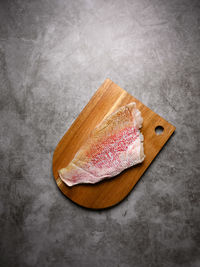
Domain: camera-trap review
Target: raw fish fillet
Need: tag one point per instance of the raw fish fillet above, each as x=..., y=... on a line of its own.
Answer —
x=114, y=145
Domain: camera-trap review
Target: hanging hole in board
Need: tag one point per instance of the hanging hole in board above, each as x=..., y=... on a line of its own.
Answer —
x=159, y=130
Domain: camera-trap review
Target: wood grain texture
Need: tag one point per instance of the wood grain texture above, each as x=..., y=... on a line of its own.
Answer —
x=108, y=98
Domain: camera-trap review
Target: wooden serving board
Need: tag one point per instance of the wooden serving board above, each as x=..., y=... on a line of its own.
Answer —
x=108, y=98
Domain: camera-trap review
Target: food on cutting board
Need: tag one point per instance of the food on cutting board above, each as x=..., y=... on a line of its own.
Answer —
x=114, y=145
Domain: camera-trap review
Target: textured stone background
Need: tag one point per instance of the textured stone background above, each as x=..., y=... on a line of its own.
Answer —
x=53, y=57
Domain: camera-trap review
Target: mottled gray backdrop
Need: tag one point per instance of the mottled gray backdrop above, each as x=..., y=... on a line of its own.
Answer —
x=53, y=57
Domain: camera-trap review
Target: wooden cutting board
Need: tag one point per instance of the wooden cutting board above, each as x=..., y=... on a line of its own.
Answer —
x=108, y=98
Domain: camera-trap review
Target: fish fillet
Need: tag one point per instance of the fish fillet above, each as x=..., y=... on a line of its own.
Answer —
x=114, y=145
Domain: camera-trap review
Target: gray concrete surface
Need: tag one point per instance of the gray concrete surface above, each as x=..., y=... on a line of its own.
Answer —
x=53, y=57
